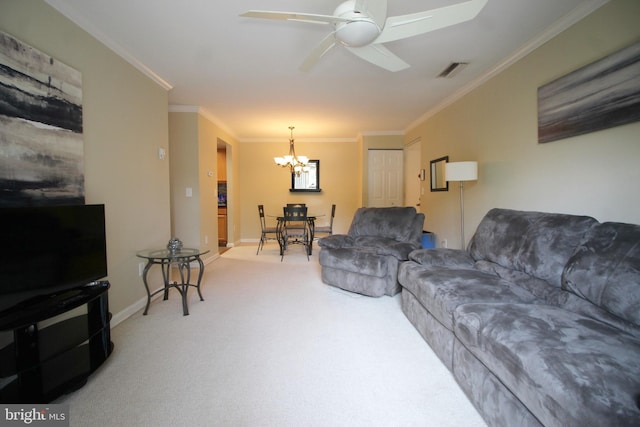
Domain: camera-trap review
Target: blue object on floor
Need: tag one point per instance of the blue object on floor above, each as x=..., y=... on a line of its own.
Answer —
x=428, y=240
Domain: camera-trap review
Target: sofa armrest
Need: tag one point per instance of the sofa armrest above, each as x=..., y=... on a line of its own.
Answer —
x=400, y=250
x=386, y=246
x=443, y=257
x=336, y=241
x=377, y=245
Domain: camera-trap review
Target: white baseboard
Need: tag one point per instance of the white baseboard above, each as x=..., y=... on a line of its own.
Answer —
x=123, y=315
x=129, y=311
x=249, y=240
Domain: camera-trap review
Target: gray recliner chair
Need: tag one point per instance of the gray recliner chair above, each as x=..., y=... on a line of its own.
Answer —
x=366, y=259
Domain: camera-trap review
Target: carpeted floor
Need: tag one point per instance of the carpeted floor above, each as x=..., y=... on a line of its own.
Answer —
x=271, y=345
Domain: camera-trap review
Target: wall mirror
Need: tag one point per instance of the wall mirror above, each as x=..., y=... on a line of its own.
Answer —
x=307, y=181
x=438, y=181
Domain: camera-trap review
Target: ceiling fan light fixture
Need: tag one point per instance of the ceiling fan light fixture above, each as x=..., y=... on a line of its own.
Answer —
x=362, y=26
x=357, y=33
x=359, y=30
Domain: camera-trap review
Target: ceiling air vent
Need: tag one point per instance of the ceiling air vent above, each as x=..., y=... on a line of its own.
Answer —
x=453, y=69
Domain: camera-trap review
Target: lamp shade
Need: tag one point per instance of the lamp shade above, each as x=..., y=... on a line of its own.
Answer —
x=461, y=171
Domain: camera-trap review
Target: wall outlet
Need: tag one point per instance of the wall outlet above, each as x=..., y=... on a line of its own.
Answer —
x=443, y=243
x=206, y=240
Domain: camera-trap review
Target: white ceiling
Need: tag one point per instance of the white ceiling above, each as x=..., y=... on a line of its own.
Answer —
x=244, y=72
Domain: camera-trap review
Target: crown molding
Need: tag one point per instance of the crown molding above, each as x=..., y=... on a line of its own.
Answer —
x=382, y=133
x=176, y=108
x=312, y=140
x=558, y=27
x=82, y=22
x=573, y=17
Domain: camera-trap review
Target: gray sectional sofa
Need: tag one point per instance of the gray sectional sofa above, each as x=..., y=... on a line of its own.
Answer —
x=539, y=320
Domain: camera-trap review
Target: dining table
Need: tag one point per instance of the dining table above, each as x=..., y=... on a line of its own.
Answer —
x=281, y=225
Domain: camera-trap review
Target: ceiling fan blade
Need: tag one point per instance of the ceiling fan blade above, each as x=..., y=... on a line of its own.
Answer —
x=404, y=26
x=292, y=16
x=318, y=52
x=375, y=9
x=379, y=55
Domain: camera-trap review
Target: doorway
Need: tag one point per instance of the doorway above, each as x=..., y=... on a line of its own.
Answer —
x=224, y=195
x=385, y=178
x=413, y=174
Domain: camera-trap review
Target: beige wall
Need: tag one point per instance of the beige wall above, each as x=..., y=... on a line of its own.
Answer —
x=263, y=182
x=125, y=122
x=208, y=183
x=183, y=158
x=193, y=156
x=496, y=124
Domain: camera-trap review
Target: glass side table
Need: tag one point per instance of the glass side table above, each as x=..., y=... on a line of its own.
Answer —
x=181, y=259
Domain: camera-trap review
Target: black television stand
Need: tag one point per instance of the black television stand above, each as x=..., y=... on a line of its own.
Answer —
x=43, y=362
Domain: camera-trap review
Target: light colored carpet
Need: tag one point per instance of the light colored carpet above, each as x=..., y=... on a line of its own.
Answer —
x=271, y=345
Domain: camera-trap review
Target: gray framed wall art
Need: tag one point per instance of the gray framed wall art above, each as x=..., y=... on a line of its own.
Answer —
x=601, y=95
x=41, y=140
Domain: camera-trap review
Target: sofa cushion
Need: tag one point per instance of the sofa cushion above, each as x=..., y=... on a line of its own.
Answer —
x=536, y=243
x=386, y=246
x=605, y=270
x=566, y=368
x=364, y=261
x=442, y=257
x=440, y=291
x=398, y=223
x=335, y=241
x=542, y=290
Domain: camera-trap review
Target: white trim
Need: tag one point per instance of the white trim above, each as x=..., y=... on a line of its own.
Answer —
x=249, y=241
x=71, y=14
x=129, y=311
x=123, y=315
x=579, y=13
x=416, y=140
x=283, y=139
x=177, y=108
x=382, y=133
x=552, y=31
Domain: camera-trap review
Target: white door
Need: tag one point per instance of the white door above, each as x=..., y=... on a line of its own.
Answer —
x=412, y=183
x=385, y=178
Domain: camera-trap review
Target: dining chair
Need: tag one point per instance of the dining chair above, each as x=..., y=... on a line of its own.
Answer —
x=267, y=232
x=326, y=229
x=295, y=228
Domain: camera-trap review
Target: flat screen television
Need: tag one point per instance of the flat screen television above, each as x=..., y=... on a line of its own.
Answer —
x=50, y=249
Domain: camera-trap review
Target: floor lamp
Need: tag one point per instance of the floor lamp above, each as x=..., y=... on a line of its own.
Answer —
x=461, y=171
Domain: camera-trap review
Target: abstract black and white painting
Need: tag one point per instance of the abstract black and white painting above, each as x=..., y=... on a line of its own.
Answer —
x=41, y=143
x=598, y=96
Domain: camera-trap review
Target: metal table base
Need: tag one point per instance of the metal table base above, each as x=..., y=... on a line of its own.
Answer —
x=182, y=260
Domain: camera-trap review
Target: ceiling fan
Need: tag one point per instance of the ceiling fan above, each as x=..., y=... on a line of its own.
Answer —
x=362, y=26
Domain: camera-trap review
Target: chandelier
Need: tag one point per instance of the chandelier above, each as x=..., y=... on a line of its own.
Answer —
x=295, y=163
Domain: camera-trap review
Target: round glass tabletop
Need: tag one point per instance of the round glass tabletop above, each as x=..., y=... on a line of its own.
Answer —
x=167, y=254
